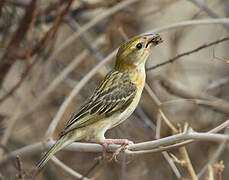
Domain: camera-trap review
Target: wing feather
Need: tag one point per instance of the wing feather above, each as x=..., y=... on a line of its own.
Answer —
x=114, y=94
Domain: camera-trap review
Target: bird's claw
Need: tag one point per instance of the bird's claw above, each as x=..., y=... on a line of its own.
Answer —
x=123, y=142
x=116, y=153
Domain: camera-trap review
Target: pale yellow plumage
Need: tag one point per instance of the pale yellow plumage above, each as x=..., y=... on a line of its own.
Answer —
x=113, y=101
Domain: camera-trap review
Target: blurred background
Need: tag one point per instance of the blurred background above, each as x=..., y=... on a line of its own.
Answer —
x=47, y=47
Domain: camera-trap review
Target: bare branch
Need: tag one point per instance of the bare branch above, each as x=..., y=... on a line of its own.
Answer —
x=210, y=12
x=197, y=97
x=20, y=33
x=171, y=60
x=148, y=145
x=183, y=24
x=68, y=169
x=74, y=92
x=91, y=24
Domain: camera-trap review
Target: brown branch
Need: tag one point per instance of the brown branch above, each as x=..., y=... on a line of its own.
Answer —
x=218, y=170
x=48, y=14
x=18, y=84
x=19, y=3
x=40, y=45
x=52, y=7
x=49, y=35
x=188, y=53
x=2, y=2
x=20, y=33
x=52, y=31
x=21, y=173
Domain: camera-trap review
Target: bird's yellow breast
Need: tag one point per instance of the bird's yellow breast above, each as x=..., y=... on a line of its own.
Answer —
x=138, y=76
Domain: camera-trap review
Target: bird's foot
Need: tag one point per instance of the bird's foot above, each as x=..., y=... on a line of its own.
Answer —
x=117, y=141
x=117, y=151
x=122, y=142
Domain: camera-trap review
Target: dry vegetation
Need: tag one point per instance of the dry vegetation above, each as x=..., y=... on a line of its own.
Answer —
x=53, y=53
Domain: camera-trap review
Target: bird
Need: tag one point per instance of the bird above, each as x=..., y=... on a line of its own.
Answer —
x=113, y=101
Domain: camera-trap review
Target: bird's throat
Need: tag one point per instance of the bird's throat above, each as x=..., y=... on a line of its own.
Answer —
x=138, y=76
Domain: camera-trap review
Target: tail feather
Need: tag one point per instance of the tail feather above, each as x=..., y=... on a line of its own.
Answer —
x=56, y=147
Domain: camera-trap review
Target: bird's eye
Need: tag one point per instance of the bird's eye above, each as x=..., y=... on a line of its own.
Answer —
x=139, y=46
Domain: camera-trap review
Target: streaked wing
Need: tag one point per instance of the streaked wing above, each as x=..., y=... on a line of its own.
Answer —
x=114, y=94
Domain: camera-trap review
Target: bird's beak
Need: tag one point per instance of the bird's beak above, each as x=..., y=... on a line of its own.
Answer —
x=153, y=39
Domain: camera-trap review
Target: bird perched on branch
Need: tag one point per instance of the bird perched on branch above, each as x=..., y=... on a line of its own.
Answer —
x=113, y=101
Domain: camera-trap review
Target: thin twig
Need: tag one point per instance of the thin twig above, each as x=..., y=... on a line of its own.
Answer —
x=167, y=122
x=87, y=41
x=213, y=158
x=171, y=60
x=21, y=174
x=20, y=81
x=2, y=2
x=41, y=44
x=188, y=163
x=205, y=8
x=183, y=24
x=74, y=92
x=68, y=169
x=164, y=153
x=197, y=97
x=12, y=121
x=158, y=129
x=210, y=173
x=92, y=168
x=219, y=83
x=220, y=127
x=51, y=87
x=9, y=56
x=143, y=116
x=91, y=24
x=218, y=151
x=182, y=150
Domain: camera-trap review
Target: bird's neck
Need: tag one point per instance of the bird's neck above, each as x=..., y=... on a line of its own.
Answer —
x=136, y=73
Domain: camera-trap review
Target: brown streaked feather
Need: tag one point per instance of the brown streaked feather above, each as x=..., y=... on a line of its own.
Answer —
x=114, y=94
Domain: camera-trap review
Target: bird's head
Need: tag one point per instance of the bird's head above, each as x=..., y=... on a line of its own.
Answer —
x=135, y=52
